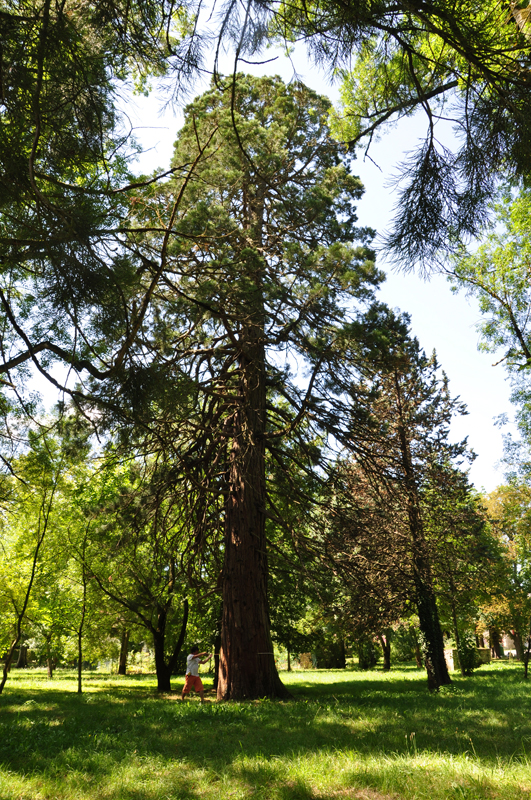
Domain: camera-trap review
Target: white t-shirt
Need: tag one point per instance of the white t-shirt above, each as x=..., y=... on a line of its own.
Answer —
x=192, y=664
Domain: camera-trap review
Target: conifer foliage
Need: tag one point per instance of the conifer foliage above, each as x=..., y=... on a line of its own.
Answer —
x=264, y=266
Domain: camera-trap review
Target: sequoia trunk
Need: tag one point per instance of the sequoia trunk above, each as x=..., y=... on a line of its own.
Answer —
x=247, y=665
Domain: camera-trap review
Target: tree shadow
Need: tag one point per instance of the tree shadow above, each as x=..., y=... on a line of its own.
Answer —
x=46, y=731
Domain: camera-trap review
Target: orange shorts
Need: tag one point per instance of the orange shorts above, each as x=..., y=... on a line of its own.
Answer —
x=192, y=681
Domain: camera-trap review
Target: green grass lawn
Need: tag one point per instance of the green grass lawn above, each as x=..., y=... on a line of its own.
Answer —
x=345, y=735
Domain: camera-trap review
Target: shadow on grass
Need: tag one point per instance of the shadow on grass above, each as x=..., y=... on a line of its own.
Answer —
x=121, y=727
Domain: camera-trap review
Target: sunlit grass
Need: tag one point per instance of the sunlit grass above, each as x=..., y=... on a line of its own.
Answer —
x=345, y=735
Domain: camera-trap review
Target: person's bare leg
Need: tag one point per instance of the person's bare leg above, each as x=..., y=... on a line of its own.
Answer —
x=202, y=696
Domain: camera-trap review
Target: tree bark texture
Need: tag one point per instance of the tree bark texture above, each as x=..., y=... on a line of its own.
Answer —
x=217, y=647
x=22, y=660
x=457, y=637
x=247, y=666
x=418, y=656
x=432, y=638
x=527, y=655
x=518, y=645
x=161, y=668
x=494, y=640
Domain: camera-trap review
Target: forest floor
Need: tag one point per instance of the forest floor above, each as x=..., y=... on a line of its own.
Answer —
x=347, y=735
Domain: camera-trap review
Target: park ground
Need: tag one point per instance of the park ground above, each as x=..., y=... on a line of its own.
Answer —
x=346, y=734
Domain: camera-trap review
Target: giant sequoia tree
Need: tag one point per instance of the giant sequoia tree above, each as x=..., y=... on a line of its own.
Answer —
x=261, y=262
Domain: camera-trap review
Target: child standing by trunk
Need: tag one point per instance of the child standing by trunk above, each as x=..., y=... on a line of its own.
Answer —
x=192, y=679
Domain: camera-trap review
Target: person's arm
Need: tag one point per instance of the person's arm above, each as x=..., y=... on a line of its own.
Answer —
x=198, y=655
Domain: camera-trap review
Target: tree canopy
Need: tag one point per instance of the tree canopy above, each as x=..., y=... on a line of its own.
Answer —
x=214, y=320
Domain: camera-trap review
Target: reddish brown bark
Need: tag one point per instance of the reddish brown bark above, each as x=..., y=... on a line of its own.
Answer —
x=247, y=666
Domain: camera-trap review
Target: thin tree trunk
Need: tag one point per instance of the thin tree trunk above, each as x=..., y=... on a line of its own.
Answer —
x=494, y=641
x=217, y=646
x=165, y=669
x=432, y=644
x=50, y=663
x=456, y=636
x=122, y=663
x=342, y=654
x=527, y=655
x=432, y=638
x=161, y=668
x=518, y=646
x=82, y=621
x=22, y=660
x=44, y=515
x=385, y=643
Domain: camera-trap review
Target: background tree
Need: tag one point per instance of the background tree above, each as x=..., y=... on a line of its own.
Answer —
x=134, y=554
x=369, y=547
x=79, y=279
x=497, y=274
x=465, y=555
x=510, y=509
x=66, y=187
x=409, y=404
x=32, y=499
x=452, y=63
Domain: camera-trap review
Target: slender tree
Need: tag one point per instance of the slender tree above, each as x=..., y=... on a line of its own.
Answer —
x=132, y=552
x=410, y=406
x=33, y=499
